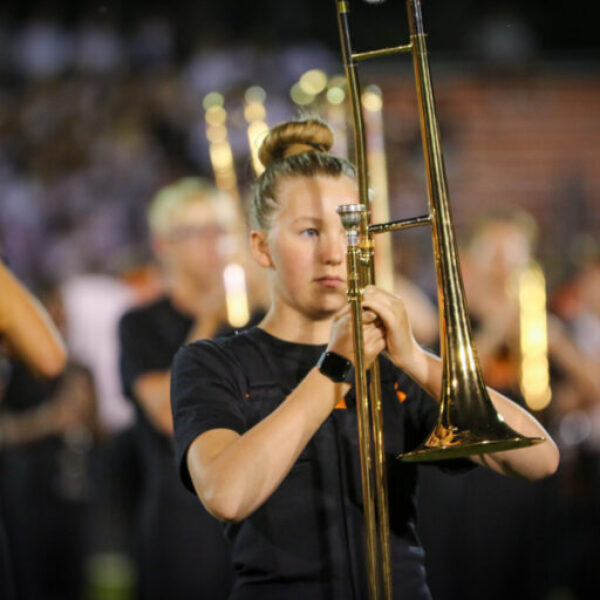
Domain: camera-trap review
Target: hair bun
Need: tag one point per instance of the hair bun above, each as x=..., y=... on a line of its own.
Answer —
x=295, y=137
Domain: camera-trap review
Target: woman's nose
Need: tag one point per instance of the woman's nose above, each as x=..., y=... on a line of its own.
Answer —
x=333, y=248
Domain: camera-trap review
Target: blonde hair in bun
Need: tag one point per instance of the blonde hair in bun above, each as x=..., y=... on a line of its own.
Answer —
x=295, y=137
x=293, y=149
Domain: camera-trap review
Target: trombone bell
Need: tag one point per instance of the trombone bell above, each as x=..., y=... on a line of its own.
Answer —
x=473, y=429
x=468, y=424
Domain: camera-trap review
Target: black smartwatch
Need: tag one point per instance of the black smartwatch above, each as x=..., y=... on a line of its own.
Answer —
x=336, y=367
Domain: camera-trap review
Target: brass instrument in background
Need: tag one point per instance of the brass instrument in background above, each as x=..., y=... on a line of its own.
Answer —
x=534, y=372
x=468, y=423
x=255, y=114
x=221, y=159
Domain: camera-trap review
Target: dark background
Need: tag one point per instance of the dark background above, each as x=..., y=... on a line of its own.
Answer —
x=95, y=119
x=559, y=30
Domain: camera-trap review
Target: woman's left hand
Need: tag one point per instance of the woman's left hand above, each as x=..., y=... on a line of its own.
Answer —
x=400, y=342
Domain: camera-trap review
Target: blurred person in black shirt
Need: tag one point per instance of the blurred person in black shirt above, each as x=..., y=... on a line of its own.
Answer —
x=49, y=429
x=509, y=518
x=28, y=335
x=182, y=552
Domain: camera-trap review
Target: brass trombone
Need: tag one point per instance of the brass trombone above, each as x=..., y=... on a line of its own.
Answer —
x=468, y=423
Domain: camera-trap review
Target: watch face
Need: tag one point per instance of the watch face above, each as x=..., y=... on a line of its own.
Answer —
x=334, y=366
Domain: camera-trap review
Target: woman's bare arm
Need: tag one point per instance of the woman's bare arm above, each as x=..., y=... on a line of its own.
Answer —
x=26, y=328
x=234, y=474
x=531, y=463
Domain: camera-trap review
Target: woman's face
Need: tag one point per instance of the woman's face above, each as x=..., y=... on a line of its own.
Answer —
x=306, y=244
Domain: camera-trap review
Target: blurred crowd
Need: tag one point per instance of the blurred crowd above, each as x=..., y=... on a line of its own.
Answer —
x=92, y=124
x=514, y=535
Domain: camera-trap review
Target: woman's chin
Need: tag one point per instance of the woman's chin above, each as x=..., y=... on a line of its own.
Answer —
x=327, y=310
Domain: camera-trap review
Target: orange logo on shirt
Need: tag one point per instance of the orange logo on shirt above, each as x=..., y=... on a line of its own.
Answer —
x=401, y=395
x=341, y=404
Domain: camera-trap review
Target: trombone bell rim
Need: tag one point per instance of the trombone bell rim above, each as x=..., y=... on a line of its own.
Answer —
x=432, y=451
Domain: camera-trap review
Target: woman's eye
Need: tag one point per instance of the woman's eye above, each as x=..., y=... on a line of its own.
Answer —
x=310, y=232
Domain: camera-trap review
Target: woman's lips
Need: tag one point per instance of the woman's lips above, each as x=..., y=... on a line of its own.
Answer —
x=330, y=281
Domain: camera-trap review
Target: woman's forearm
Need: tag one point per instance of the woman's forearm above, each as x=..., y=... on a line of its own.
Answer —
x=234, y=475
x=531, y=463
x=27, y=328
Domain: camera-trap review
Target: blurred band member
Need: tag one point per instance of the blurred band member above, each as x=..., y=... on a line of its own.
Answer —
x=26, y=330
x=456, y=522
x=182, y=552
x=501, y=247
x=48, y=431
x=26, y=333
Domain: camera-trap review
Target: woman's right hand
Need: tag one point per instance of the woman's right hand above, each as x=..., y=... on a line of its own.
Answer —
x=341, y=339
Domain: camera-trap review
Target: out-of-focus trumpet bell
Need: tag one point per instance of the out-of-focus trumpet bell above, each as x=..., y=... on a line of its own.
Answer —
x=468, y=425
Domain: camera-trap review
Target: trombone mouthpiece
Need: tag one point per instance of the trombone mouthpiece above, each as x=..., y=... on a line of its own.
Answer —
x=350, y=215
x=352, y=237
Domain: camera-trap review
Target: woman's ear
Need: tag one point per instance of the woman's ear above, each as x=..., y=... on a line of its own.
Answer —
x=260, y=248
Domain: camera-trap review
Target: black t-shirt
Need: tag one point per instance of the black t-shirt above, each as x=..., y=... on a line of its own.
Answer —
x=38, y=471
x=149, y=336
x=182, y=552
x=306, y=540
x=25, y=392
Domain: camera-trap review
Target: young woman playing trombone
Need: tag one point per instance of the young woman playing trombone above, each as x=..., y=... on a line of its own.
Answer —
x=265, y=425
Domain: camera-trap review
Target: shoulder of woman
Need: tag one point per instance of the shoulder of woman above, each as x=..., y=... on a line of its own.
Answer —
x=201, y=351
x=223, y=345
x=213, y=358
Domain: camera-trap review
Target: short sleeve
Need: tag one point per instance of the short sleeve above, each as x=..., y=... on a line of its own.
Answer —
x=140, y=350
x=206, y=394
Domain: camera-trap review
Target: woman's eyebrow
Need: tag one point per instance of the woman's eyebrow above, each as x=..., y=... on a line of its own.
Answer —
x=308, y=219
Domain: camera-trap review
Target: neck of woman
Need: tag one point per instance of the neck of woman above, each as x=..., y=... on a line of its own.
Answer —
x=286, y=323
